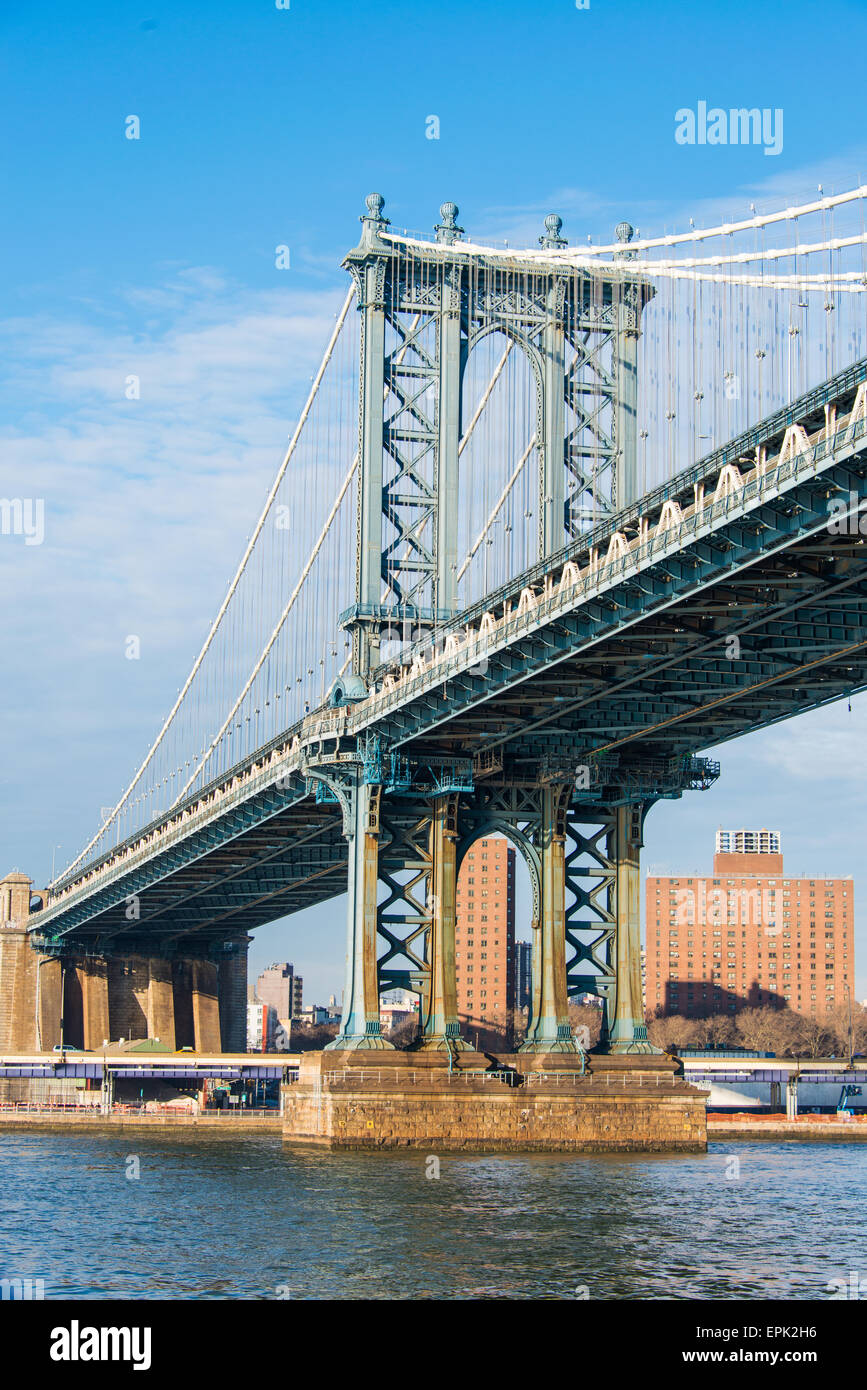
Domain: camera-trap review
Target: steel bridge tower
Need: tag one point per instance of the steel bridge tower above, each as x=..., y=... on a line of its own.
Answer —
x=409, y=819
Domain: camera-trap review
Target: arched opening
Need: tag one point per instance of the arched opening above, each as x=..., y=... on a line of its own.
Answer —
x=496, y=902
x=498, y=471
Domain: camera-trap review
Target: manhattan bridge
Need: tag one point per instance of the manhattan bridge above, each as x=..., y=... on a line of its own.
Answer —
x=554, y=522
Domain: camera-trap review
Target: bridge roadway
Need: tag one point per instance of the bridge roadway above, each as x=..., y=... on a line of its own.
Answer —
x=727, y=600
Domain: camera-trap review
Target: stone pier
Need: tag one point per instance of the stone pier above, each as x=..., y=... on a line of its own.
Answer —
x=25, y=988
x=400, y=1100
x=86, y=1001
x=206, y=1010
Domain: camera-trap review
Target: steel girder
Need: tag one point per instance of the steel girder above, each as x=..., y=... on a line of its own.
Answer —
x=465, y=709
x=260, y=861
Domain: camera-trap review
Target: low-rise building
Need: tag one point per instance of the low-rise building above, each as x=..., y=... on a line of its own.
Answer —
x=261, y=1027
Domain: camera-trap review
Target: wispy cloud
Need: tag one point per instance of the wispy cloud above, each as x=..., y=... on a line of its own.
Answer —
x=148, y=502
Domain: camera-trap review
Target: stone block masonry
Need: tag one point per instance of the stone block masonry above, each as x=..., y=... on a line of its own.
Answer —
x=18, y=991
x=183, y=1002
x=621, y=1105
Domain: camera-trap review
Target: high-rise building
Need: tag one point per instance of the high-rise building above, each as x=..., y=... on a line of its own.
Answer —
x=485, y=936
x=282, y=988
x=748, y=934
x=747, y=841
x=523, y=974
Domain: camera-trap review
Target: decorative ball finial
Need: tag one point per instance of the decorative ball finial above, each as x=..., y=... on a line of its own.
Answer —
x=553, y=223
x=373, y=223
x=448, y=230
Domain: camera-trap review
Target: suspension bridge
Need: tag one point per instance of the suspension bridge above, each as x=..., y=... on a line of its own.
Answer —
x=554, y=523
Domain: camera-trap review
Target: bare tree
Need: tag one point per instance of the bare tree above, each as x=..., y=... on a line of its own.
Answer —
x=586, y=1016
x=404, y=1033
x=672, y=1031
x=814, y=1038
x=717, y=1030
x=767, y=1029
x=312, y=1037
x=837, y=1022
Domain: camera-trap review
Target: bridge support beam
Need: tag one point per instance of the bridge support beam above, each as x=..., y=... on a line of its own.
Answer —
x=206, y=1013
x=552, y=480
x=440, y=1030
x=627, y=485
x=233, y=997
x=49, y=1005
x=448, y=443
x=360, y=1025
x=161, y=1003
x=93, y=978
x=629, y=1031
x=371, y=302
x=550, y=1030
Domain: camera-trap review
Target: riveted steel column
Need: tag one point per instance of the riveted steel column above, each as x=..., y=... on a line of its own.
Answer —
x=360, y=1025
x=629, y=1032
x=627, y=485
x=440, y=1028
x=550, y=1030
x=552, y=481
x=370, y=278
x=449, y=435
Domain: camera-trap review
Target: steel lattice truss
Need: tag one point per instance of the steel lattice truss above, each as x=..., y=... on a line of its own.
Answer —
x=590, y=917
x=411, y=371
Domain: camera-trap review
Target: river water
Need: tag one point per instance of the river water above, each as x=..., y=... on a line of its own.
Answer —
x=249, y=1218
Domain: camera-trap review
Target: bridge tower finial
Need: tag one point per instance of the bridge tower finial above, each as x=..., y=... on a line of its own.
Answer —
x=373, y=221
x=448, y=230
x=624, y=231
x=374, y=202
x=553, y=239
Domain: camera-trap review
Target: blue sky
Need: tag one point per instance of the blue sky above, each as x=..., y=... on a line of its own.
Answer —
x=263, y=126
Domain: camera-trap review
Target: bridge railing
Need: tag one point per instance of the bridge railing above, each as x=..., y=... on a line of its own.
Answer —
x=396, y=1077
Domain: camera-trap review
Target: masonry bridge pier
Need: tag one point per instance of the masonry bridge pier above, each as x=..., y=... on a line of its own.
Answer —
x=82, y=999
x=484, y=615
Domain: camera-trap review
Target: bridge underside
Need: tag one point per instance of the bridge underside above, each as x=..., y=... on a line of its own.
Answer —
x=780, y=636
x=268, y=868
x=770, y=640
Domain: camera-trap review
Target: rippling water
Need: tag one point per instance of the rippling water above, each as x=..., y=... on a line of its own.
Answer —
x=216, y=1218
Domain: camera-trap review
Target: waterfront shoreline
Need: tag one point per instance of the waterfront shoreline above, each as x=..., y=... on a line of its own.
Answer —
x=219, y=1123
x=720, y=1128
x=775, y=1128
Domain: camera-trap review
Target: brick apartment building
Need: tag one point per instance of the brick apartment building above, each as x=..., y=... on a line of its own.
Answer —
x=748, y=934
x=485, y=937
